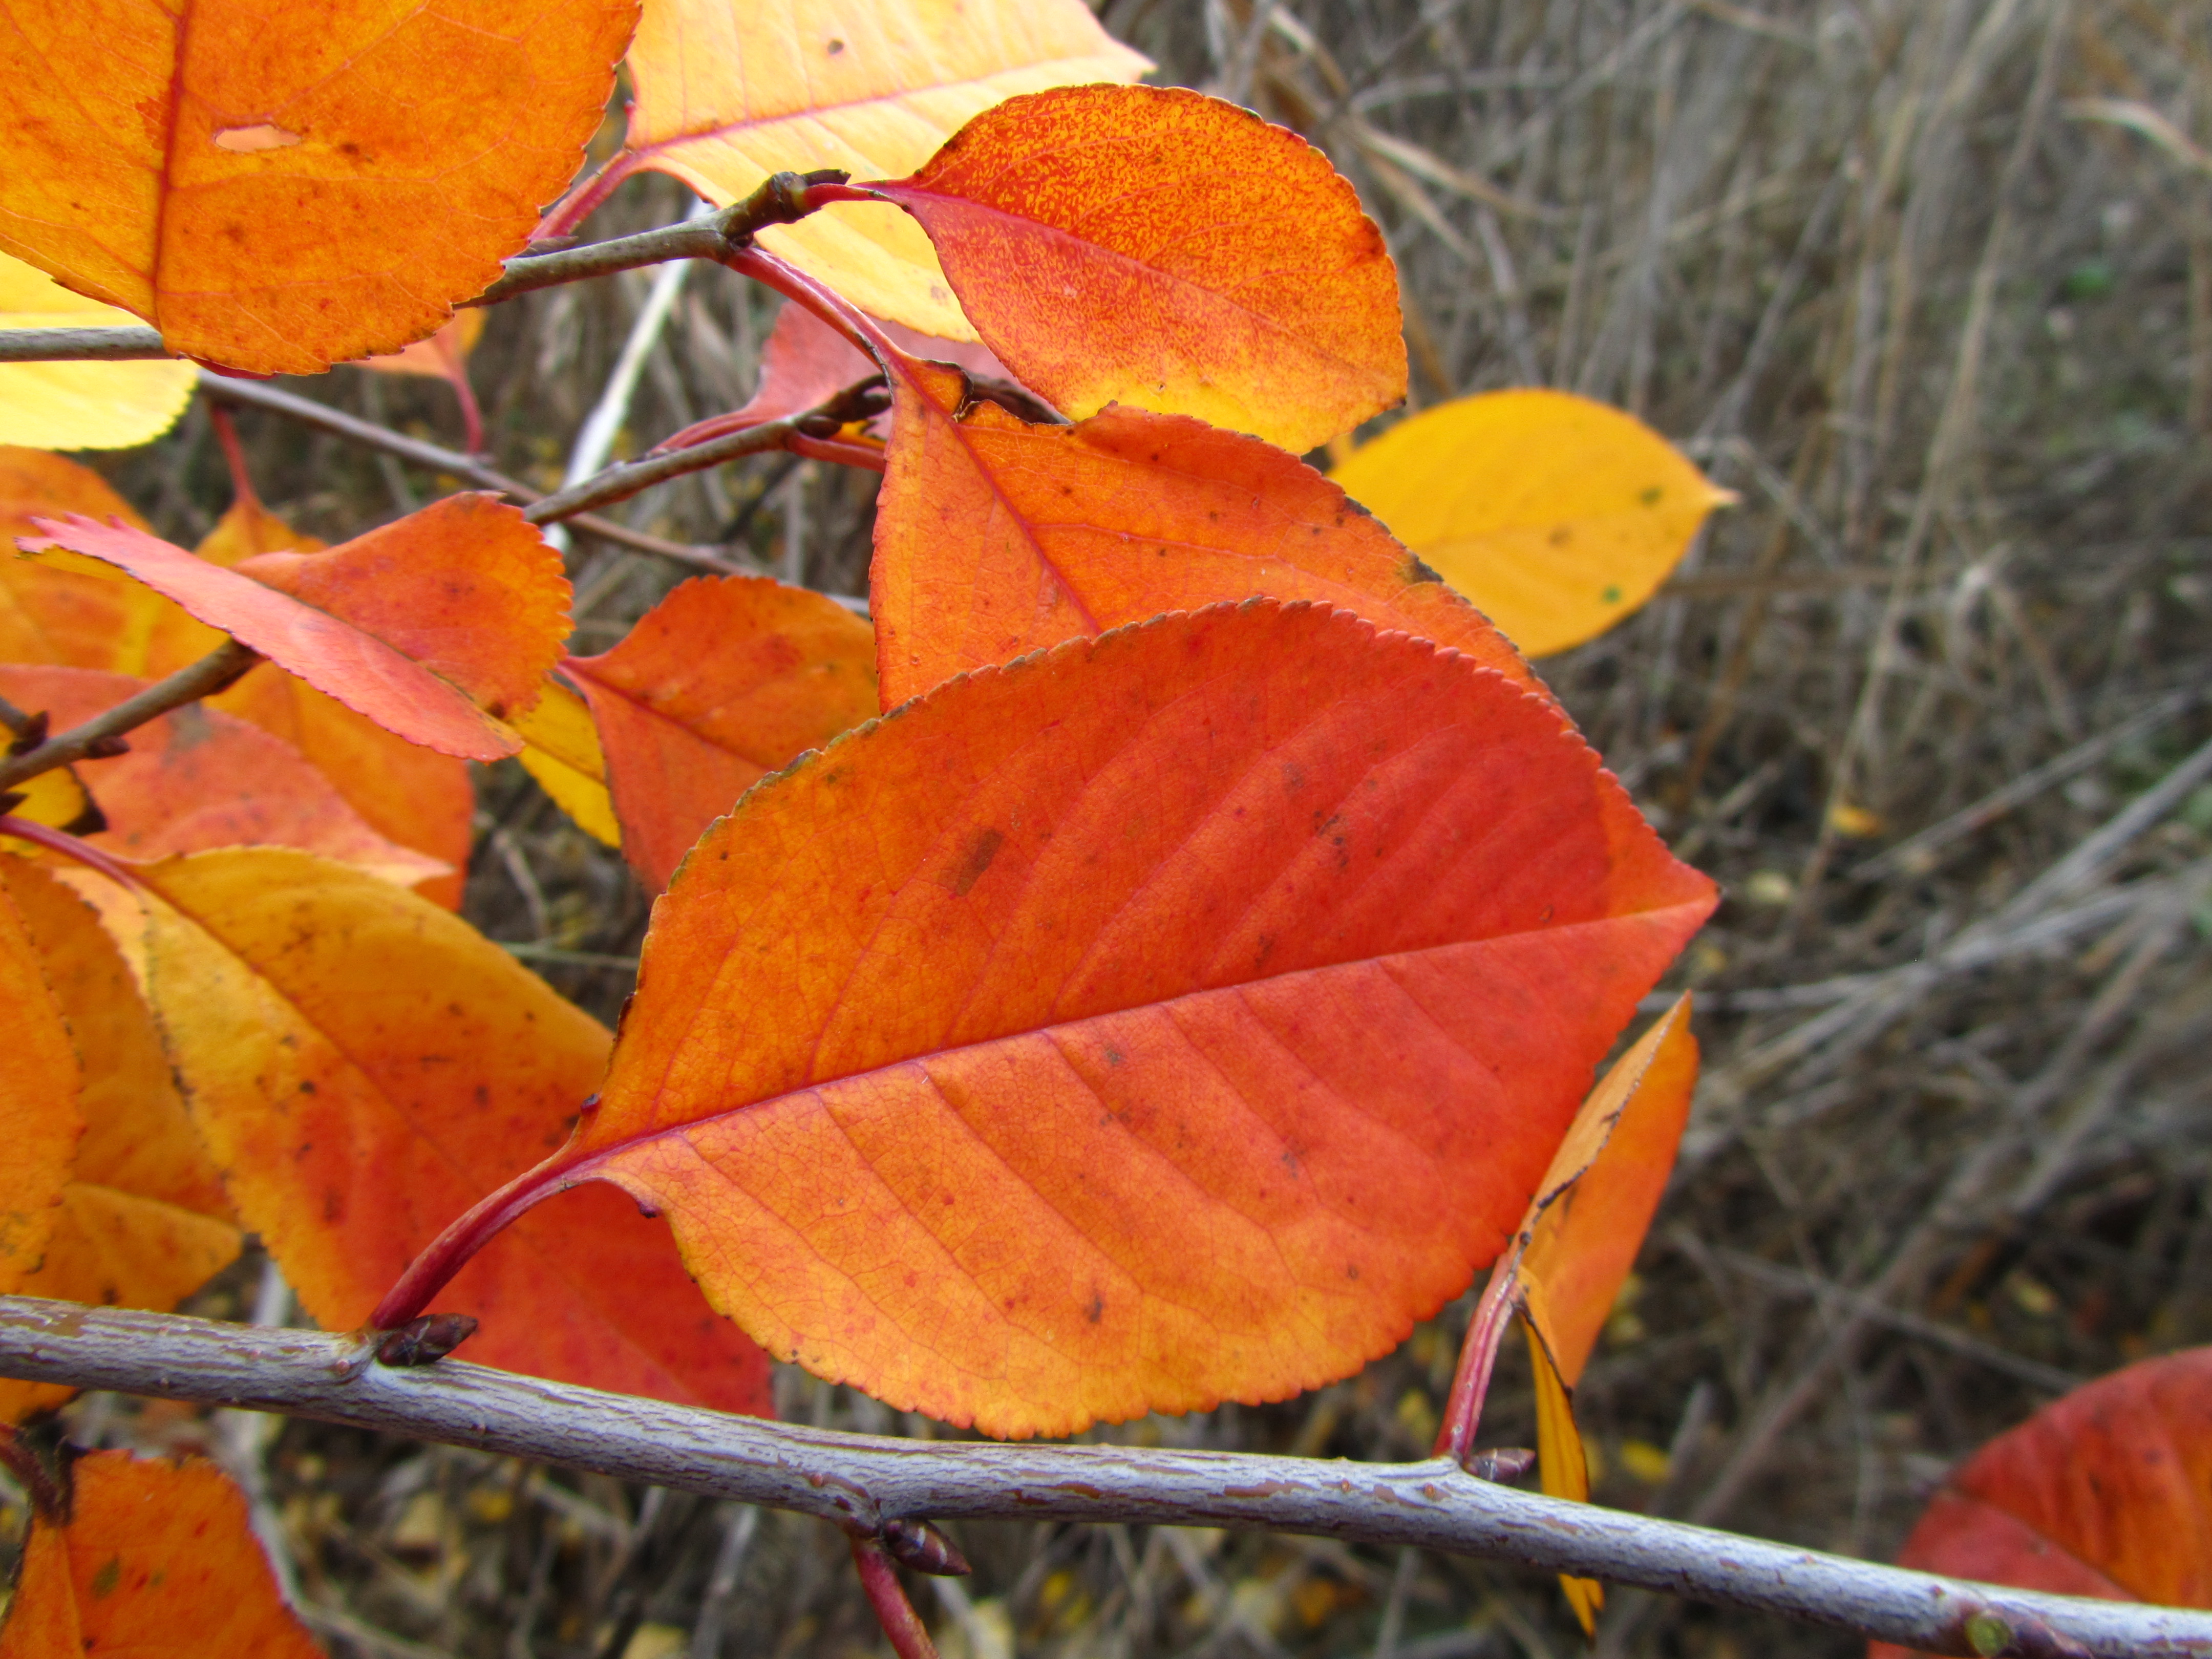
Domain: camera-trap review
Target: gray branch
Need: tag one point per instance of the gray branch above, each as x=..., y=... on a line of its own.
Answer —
x=132, y=342
x=861, y=1482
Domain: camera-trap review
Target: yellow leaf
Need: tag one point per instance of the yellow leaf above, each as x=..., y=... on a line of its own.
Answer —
x=1555, y=516
x=80, y=405
x=561, y=751
x=729, y=92
x=1563, y=1468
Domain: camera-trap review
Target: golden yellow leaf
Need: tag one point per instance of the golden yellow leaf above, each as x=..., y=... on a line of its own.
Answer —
x=561, y=751
x=1563, y=1465
x=729, y=92
x=1555, y=516
x=80, y=405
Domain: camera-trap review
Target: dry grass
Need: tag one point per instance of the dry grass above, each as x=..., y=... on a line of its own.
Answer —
x=1878, y=268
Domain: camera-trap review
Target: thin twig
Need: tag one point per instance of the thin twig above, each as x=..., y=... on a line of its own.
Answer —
x=255, y=394
x=864, y=1483
x=98, y=737
x=132, y=343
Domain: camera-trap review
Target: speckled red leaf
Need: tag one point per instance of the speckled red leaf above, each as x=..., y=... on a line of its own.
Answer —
x=1171, y=1017
x=1154, y=246
x=435, y=626
x=725, y=680
x=2105, y=1493
x=994, y=536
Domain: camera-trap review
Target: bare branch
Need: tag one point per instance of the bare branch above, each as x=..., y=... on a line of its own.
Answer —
x=97, y=737
x=782, y=199
x=861, y=1483
x=255, y=394
x=132, y=342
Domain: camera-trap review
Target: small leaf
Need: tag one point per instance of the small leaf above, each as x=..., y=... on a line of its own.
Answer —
x=994, y=536
x=278, y=190
x=723, y=681
x=561, y=749
x=198, y=778
x=2105, y=1493
x=40, y=1123
x=1171, y=1017
x=363, y=1065
x=80, y=405
x=1556, y=515
x=151, y=1557
x=1154, y=246
x=728, y=93
x=436, y=626
x=441, y=356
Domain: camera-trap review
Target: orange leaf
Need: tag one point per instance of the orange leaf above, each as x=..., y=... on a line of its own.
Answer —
x=361, y=1064
x=143, y=1221
x=278, y=190
x=40, y=1123
x=87, y=619
x=196, y=778
x=728, y=93
x=409, y=794
x=147, y=1558
x=1173, y=1017
x=994, y=536
x=1557, y=516
x=1154, y=246
x=2104, y=1493
x=1596, y=1202
x=427, y=626
x=725, y=679
x=441, y=356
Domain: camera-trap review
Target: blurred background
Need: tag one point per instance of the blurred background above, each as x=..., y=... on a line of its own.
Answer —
x=1928, y=284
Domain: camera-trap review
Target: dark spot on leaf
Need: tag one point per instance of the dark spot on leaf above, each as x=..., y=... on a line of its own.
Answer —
x=982, y=847
x=109, y=1575
x=1612, y=594
x=1096, y=1310
x=1650, y=497
x=1560, y=536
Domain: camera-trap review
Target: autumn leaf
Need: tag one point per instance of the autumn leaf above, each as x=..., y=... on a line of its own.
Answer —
x=145, y=1556
x=1171, y=1017
x=40, y=1122
x=1154, y=246
x=994, y=536
x=1572, y=1253
x=414, y=796
x=561, y=749
x=196, y=778
x=2105, y=1493
x=361, y=1064
x=436, y=626
x=87, y=618
x=723, y=681
x=80, y=405
x=143, y=1221
x=728, y=93
x=1556, y=515
x=278, y=190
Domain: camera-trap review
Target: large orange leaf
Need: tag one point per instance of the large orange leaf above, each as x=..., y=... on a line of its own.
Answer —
x=1154, y=246
x=196, y=778
x=414, y=796
x=2106, y=1493
x=40, y=1123
x=278, y=189
x=143, y=1221
x=361, y=1064
x=725, y=680
x=729, y=93
x=1557, y=516
x=435, y=626
x=994, y=536
x=88, y=618
x=1171, y=1017
x=152, y=1559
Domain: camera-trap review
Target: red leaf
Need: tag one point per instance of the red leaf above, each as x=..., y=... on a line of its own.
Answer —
x=427, y=626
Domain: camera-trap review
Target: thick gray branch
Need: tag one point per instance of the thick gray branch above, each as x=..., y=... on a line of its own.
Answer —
x=132, y=342
x=860, y=1482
